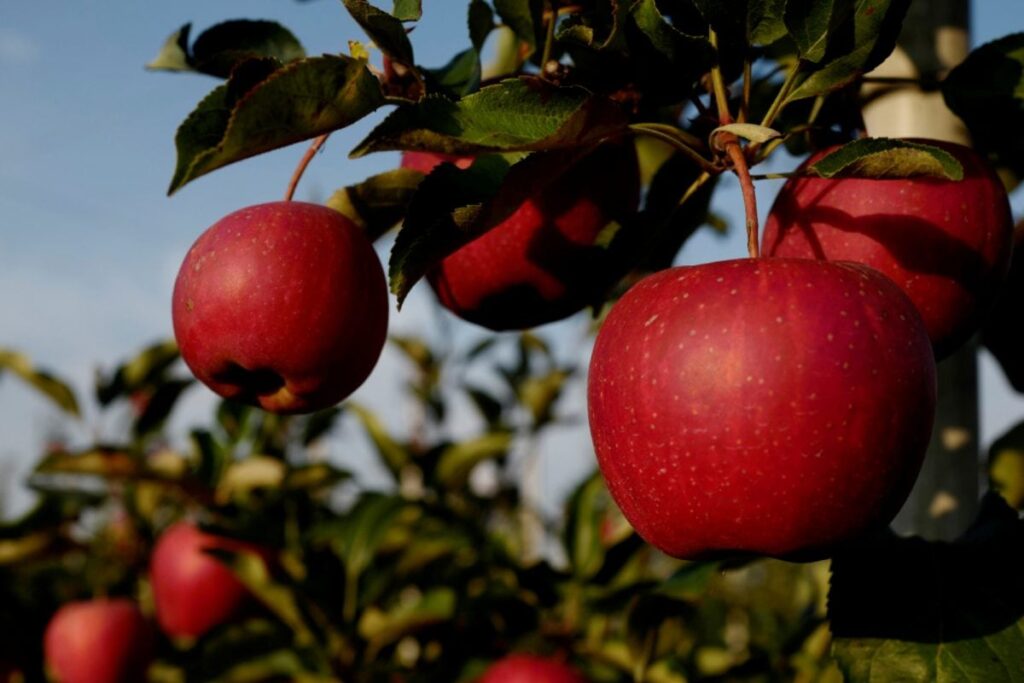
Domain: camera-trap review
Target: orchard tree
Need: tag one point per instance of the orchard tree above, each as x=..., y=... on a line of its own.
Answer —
x=757, y=422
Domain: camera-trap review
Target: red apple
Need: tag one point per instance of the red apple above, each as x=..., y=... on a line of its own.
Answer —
x=521, y=668
x=538, y=263
x=765, y=406
x=193, y=590
x=106, y=640
x=1003, y=331
x=424, y=162
x=281, y=305
x=945, y=243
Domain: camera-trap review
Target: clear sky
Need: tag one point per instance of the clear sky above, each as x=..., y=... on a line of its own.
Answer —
x=90, y=244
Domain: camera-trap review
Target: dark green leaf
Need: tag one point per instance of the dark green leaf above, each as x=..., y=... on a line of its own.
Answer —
x=394, y=456
x=458, y=460
x=386, y=31
x=490, y=408
x=517, y=114
x=460, y=76
x=525, y=18
x=378, y=203
x=408, y=10
x=987, y=92
x=582, y=537
x=765, y=21
x=666, y=39
x=812, y=23
x=319, y=424
x=727, y=17
x=481, y=23
x=261, y=108
x=441, y=218
x=144, y=370
x=866, y=36
x=888, y=158
x=220, y=48
x=905, y=609
x=159, y=405
x=58, y=391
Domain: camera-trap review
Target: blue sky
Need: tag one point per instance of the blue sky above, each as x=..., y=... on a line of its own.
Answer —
x=90, y=244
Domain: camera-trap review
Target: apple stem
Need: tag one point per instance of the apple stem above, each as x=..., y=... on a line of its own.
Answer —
x=303, y=163
x=731, y=145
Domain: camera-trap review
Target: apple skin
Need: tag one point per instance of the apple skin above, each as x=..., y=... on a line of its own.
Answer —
x=105, y=640
x=538, y=262
x=947, y=244
x=522, y=668
x=281, y=305
x=1003, y=331
x=194, y=591
x=761, y=406
x=424, y=162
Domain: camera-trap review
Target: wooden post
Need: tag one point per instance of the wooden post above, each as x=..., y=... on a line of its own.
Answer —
x=935, y=38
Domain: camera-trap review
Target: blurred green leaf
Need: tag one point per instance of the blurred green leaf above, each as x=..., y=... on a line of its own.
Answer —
x=582, y=536
x=145, y=369
x=218, y=49
x=262, y=107
x=888, y=158
x=393, y=455
x=107, y=462
x=56, y=390
x=517, y=114
x=539, y=395
x=315, y=476
x=159, y=404
x=525, y=18
x=459, y=459
x=251, y=570
x=386, y=30
x=987, y=91
x=414, y=612
x=317, y=425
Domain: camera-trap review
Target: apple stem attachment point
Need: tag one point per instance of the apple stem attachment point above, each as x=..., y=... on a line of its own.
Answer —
x=739, y=164
x=303, y=163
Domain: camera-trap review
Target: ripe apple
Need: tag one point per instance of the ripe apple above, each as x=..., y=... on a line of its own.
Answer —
x=424, y=162
x=281, y=305
x=1003, y=331
x=538, y=263
x=105, y=640
x=945, y=243
x=193, y=590
x=766, y=406
x=522, y=668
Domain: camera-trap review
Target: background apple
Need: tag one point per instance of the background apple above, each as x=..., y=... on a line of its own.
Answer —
x=424, y=162
x=194, y=591
x=521, y=668
x=106, y=640
x=282, y=305
x=946, y=243
x=539, y=263
x=770, y=406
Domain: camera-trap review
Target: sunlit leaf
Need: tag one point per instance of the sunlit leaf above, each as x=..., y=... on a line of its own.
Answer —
x=458, y=460
x=888, y=158
x=58, y=391
x=386, y=30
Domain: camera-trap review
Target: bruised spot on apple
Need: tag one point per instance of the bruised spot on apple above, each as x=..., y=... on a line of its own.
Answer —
x=523, y=668
x=539, y=262
x=761, y=406
x=105, y=640
x=192, y=590
x=281, y=305
x=946, y=243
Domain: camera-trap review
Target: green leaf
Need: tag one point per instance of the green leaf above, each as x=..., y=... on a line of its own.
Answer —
x=904, y=609
x=441, y=218
x=666, y=39
x=727, y=17
x=262, y=108
x=386, y=31
x=109, y=463
x=314, y=477
x=765, y=21
x=481, y=22
x=864, y=36
x=394, y=456
x=525, y=18
x=987, y=92
x=1006, y=466
x=412, y=613
x=458, y=460
x=517, y=114
x=220, y=48
x=319, y=424
x=460, y=76
x=888, y=158
x=407, y=10
x=812, y=23
x=539, y=395
x=378, y=203
x=747, y=131
x=59, y=392
x=159, y=405
x=582, y=536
